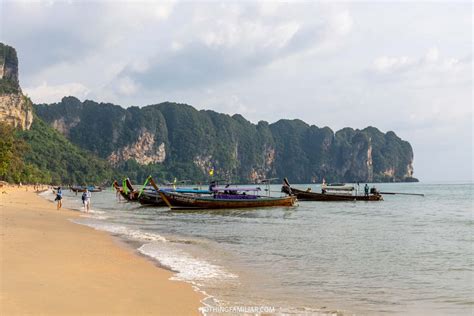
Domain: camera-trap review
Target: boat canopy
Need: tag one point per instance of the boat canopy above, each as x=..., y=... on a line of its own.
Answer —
x=235, y=189
x=186, y=191
x=341, y=187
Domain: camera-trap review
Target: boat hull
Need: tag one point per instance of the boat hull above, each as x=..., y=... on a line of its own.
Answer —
x=151, y=199
x=183, y=201
x=329, y=197
x=80, y=189
x=130, y=196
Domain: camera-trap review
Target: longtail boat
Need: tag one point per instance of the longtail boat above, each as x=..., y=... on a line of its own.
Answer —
x=221, y=200
x=327, y=194
x=83, y=188
x=127, y=191
x=151, y=198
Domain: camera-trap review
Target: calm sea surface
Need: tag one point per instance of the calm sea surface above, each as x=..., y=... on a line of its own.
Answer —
x=405, y=255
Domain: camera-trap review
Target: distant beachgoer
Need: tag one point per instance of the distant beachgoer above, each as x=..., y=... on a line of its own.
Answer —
x=59, y=198
x=86, y=198
x=366, y=189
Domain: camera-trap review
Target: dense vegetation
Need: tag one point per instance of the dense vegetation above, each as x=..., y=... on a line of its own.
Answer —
x=12, y=167
x=58, y=160
x=197, y=141
x=42, y=155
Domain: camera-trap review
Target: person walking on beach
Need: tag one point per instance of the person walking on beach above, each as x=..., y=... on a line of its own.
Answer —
x=366, y=189
x=86, y=199
x=59, y=198
x=83, y=197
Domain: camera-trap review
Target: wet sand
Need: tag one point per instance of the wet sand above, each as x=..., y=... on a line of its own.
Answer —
x=51, y=266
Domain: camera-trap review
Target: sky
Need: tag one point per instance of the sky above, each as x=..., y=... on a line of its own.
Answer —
x=399, y=66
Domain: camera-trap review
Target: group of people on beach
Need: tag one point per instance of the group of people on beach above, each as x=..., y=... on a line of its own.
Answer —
x=86, y=199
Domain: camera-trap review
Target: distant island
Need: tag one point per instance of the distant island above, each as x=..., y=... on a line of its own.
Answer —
x=82, y=142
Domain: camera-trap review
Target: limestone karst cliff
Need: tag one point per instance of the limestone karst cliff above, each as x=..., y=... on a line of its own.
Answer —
x=15, y=108
x=187, y=143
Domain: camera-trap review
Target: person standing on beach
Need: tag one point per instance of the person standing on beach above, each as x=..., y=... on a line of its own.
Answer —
x=59, y=198
x=83, y=197
x=366, y=189
x=86, y=199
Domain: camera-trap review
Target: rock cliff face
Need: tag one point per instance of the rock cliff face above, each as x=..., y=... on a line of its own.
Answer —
x=187, y=143
x=142, y=151
x=15, y=108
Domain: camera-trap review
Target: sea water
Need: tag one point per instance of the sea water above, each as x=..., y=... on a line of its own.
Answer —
x=406, y=255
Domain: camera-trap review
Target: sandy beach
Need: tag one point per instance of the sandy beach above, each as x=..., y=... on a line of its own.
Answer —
x=51, y=266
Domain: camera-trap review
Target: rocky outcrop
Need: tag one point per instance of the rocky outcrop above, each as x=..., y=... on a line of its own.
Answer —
x=142, y=151
x=204, y=163
x=370, y=167
x=15, y=108
x=259, y=173
x=63, y=126
x=9, y=66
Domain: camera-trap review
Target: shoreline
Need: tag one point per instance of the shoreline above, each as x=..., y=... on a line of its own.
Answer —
x=51, y=265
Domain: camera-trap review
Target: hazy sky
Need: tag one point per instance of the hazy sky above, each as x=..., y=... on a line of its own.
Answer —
x=401, y=66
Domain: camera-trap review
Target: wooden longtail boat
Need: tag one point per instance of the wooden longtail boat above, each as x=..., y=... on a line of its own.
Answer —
x=129, y=194
x=222, y=201
x=83, y=189
x=151, y=198
x=327, y=197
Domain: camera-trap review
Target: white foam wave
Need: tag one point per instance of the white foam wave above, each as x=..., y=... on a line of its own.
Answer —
x=93, y=212
x=101, y=217
x=129, y=233
x=187, y=267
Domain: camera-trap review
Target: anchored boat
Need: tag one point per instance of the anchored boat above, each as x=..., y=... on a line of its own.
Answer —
x=339, y=192
x=152, y=197
x=83, y=188
x=127, y=191
x=224, y=198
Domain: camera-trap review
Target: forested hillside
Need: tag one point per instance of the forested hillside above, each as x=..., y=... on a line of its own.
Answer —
x=176, y=140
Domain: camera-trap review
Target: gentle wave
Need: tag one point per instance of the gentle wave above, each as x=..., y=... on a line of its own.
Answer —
x=91, y=212
x=124, y=231
x=94, y=216
x=187, y=267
